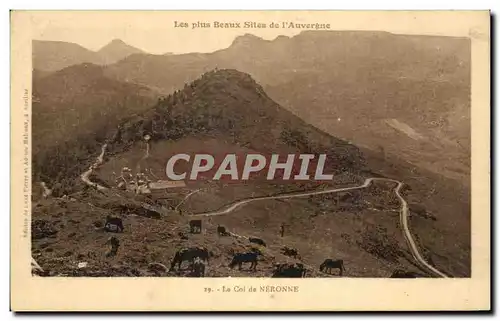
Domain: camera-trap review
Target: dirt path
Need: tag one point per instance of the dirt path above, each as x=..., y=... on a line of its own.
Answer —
x=409, y=239
x=85, y=176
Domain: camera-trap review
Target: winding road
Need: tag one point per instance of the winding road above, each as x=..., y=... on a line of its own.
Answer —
x=86, y=175
x=404, y=211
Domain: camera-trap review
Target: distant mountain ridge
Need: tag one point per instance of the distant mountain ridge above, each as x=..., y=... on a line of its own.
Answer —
x=116, y=50
x=348, y=83
x=50, y=56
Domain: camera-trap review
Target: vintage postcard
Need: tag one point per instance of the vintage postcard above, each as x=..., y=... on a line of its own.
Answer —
x=250, y=160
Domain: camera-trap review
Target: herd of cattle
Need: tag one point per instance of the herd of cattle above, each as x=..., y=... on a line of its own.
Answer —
x=198, y=257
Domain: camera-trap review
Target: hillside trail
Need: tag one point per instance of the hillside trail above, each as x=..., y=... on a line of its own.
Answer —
x=86, y=175
x=231, y=207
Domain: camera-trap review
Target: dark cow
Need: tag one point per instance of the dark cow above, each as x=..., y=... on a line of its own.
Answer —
x=198, y=268
x=257, y=241
x=189, y=254
x=330, y=264
x=400, y=274
x=240, y=258
x=195, y=226
x=290, y=251
x=221, y=230
x=289, y=271
x=113, y=224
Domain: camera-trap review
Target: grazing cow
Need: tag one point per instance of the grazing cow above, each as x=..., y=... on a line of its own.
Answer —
x=240, y=258
x=289, y=271
x=113, y=224
x=301, y=266
x=115, y=244
x=189, y=254
x=257, y=241
x=198, y=268
x=221, y=230
x=195, y=226
x=400, y=274
x=290, y=251
x=330, y=264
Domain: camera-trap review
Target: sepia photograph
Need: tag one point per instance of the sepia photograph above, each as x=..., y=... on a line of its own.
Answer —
x=231, y=145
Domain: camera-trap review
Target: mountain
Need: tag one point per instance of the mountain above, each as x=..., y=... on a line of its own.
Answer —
x=116, y=50
x=204, y=107
x=79, y=101
x=226, y=111
x=375, y=89
x=50, y=56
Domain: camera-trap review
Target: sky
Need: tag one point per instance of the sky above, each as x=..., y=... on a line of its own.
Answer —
x=155, y=31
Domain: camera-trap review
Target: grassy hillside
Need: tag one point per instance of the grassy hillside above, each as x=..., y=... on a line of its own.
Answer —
x=232, y=104
x=75, y=107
